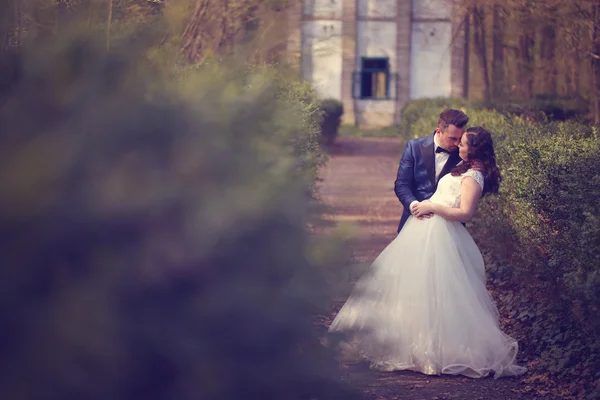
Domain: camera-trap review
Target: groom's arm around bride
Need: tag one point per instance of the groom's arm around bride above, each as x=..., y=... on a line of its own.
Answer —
x=426, y=160
x=405, y=178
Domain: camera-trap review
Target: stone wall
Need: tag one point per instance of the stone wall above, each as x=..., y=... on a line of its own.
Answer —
x=423, y=40
x=376, y=37
x=294, y=40
x=322, y=56
x=431, y=40
x=403, y=40
x=348, y=60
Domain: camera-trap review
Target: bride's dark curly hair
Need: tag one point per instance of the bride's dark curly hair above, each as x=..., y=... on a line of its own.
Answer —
x=482, y=158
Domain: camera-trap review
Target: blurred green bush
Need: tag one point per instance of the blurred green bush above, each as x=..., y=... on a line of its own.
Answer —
x=332, y=111
x=542, y=233
x=153, y=235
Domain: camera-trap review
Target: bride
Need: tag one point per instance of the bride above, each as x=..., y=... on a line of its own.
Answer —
x=424, y=305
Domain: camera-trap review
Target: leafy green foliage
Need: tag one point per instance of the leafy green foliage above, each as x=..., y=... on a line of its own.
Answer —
x=544, y=107
x=332, y=111
x=153, y=234
x=554, y=184
x=420, y=116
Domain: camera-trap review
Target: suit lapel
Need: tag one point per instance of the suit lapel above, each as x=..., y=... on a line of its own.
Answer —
x=453, y=160
x=429, y=159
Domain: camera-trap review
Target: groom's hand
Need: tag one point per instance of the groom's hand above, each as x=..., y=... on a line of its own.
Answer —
x=414, y=211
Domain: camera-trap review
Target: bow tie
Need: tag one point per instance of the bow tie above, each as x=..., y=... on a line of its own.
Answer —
x=441, y=150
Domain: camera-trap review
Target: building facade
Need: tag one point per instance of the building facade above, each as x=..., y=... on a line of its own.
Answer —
x=375, y=55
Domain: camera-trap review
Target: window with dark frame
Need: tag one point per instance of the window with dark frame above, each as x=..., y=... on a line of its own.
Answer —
x=375, y=78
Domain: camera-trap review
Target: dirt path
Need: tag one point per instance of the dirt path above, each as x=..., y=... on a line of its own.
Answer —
x=358, y=184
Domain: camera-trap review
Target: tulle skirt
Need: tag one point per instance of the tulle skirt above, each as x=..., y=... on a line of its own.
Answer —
x=424, y=306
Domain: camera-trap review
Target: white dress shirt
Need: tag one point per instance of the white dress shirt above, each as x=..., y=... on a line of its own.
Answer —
x=440, y=160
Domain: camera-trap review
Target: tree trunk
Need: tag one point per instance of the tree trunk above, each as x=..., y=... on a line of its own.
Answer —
x=193, y=45
x=17, y=25
x=61, y=14
x=596, y=62
x=498, y=80
x=526, y=59
x=90, y=11
x=7, y=27
x=467, y=53
x=576, y=72
x=573, y=64
x=481, y=48
x=223, y=43
x=547, y=55
x=108, y=23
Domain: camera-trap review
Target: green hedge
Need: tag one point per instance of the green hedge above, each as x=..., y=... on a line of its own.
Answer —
x=420, y=116
x=332, y=111
x=544, y=107
x=153, y=234
x=542, y=234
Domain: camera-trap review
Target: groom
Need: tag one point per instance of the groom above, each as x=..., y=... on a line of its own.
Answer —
x=426, y=160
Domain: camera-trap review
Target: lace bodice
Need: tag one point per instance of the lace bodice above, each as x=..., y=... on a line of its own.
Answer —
x=448, y=190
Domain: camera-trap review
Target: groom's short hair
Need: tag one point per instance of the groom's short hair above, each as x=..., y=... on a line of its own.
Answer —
x=454, y=117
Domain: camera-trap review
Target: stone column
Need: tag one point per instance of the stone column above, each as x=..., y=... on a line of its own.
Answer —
x=294, y=41
x=403, y=54
x=348, y=58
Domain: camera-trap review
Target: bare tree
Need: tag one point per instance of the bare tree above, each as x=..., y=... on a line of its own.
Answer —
x=595, y=59
x=467, y=52
x=479, y=40
x=526, y=52
x=218, y=26
x=547, y=56
x=109, y=23
x=498, y=83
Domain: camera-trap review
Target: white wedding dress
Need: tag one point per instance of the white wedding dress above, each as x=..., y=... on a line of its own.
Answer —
x=424, y=306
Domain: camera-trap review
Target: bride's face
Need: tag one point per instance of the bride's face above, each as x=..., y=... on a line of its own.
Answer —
x=463, y=147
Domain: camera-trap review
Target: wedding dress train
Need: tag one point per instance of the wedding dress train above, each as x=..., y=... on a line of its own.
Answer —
x=424, y=306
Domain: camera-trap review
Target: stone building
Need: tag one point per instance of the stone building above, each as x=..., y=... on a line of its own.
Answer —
x=375, y=55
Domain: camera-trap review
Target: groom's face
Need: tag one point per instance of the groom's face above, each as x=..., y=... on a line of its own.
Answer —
x=449, y=138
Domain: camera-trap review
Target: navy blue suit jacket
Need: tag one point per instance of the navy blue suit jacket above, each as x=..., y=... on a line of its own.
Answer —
x=416, y=173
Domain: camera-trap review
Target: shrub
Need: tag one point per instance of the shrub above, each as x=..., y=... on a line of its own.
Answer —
x=332, y=111
x=152, y=232
x=553, y=183
x=544, y=107
x=419, y=117
x=549, y=203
